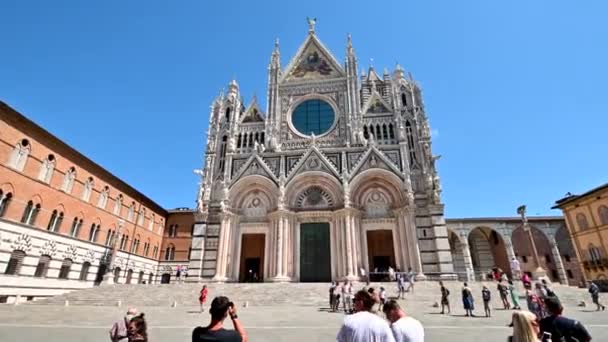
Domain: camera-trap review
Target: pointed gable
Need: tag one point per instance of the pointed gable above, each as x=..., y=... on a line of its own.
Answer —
x=252, y=113
x=373, y=158
x=313, y=60
x=254, y=166
x=376, y=105
x=314, y=160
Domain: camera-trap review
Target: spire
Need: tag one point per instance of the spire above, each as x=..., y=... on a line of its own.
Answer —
x=399, y=73
x=349, y=46
x=275, y=60
x=233, y=88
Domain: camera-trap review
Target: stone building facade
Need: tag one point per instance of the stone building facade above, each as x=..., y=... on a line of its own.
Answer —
x=336, y=175
x=587, y=220
x=60, y=212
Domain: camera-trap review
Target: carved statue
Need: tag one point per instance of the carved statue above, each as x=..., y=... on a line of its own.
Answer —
x=436, y=189
x=311, y=24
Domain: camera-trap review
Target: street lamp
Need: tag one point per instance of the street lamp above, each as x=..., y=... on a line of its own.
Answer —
x=539, y=271
x=108, y=278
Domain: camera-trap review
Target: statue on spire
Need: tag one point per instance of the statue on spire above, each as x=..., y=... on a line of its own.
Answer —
x=311, y=24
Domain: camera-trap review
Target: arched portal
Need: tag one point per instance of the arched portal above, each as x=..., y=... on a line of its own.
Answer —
x=523, y=250
x=487, y=251
x=456, y=249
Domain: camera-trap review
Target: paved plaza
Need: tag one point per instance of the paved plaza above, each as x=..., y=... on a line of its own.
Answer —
x=272, y=321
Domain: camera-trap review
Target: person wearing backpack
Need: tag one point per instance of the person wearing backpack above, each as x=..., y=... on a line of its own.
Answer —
x=486, y=295
x=445, y=293
x=560, y=328
x=595, y=295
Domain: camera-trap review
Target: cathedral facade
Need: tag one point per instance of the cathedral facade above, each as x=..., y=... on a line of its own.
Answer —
x=336, y=175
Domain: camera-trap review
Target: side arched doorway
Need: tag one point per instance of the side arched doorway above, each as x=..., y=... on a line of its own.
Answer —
x=487, y=251
x=165, y=278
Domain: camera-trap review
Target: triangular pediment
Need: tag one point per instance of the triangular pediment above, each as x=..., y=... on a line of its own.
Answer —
x=314, y=160
x=254, y=166
x=312, y=61
x=376, y=105
x=252, y=113
x=373, y=158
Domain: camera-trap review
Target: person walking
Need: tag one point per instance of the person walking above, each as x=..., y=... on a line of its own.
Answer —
x=525, y=327
x=445, y=301
x=467, y=300
x=332, y=289
x=337, y=298
x=119, y=330
x=594, y=290
x=486, y=295
x=503, y=290
x=363, y=325
x=405, y=328
x=221, y=308
x=515, y=268
x=401, y=280
x=202, y=298
x=525, y=279
x=347, y=295
x=412, y=279
x=534, y=303
x=514, y=296
x=383, y=298
x=559, y=327
x=137, y=330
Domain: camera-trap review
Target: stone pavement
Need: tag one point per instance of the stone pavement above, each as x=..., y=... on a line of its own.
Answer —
x=272, y=321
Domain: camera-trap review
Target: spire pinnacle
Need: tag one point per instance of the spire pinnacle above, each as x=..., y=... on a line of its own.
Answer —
x=311, y=24
x=349, y=45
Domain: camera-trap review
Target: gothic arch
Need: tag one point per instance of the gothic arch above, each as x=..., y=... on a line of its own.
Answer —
x=457, y=244
x=7, y=187
x=311, y=179
x=488, y=250
x=377, y=181
x=524, y=248
x=248, y=188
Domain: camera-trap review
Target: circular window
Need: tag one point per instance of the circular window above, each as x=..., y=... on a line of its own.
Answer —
x=313, y=116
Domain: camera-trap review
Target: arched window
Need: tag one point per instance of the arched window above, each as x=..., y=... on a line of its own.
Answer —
x=262, y=137
x=19, y=155
x=170, y=253
x=109, y=237
x=227, y=114
x=68, y=180
x=239, y=140
x=581, y=220
x=410, y=142
x=116, y=274
x=141, y=216
x=391, y=132
x=150, y=278
x=102, y=201
x=161, y=225
x=151, y=224
x=384, y=132
x=93, y=232
x=403, y=99
x=123, y=241
x=88, y=189
x=118, y=205
x=14, y=263
x=147, y=247
x=30, y=213
x=5, y=200
x=135, y=245
x=76, y=224
x=155, y=252
x=603, y=213
x=365, y=132
x=223, y=153
x=64, y=271
x=172, y=232
x=129, y=276
x=43, y=266
x=131, y=212
x=84, y=271
x=55, y=221
x=140, y=279
x=46, y=169
x=595, y=253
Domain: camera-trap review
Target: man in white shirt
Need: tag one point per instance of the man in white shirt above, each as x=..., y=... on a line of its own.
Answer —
x=364, y=326
x=405, y=328
x=515, y=268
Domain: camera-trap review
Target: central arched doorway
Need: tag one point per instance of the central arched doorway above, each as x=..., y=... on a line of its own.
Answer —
x=380, y=251
x=252, y=258
x=315, y=257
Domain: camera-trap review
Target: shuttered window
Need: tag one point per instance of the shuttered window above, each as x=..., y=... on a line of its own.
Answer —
x=14, y=263
x=64, y=272
x=43, y=266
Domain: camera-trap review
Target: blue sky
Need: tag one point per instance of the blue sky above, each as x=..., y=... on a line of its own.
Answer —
x=515, y=90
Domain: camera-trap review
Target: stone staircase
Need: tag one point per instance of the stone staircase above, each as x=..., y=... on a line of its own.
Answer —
x=271, y=294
